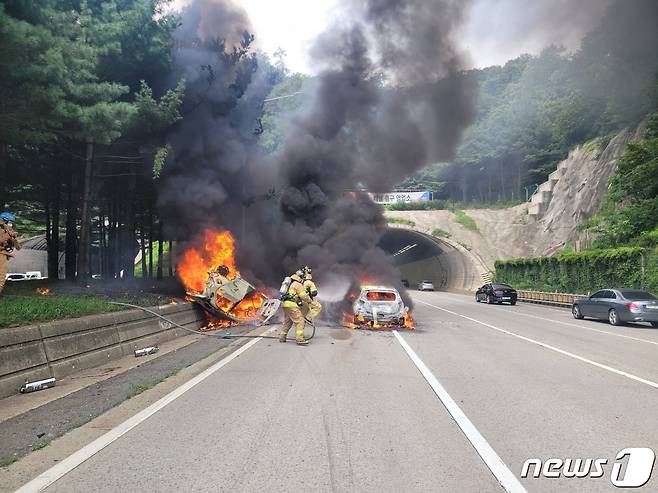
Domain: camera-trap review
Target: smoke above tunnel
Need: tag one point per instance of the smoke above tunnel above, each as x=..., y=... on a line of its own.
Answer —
x=500, y=30
x=389, y=99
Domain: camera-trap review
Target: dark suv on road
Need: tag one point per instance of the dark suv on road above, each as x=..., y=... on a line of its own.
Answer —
x=496, y=293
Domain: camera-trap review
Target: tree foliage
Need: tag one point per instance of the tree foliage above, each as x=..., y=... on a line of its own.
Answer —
x=583, y=272
x=82, y=116
x=533, y=109
x=629, y=215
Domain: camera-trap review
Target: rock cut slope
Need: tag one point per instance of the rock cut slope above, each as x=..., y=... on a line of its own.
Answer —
x=572, y=195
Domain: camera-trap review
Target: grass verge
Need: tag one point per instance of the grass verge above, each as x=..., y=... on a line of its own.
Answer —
x=26, y=302
x=135, y=390
x=400, y=220
x=440, y=233
x=40, y=445
x=8, y=460
x=18, y=310
x=466, y=221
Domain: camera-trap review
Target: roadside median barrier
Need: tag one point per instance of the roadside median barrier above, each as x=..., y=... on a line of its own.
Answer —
x=544, y=298
x=32, y=354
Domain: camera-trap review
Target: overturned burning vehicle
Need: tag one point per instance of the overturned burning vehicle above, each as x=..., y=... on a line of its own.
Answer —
x=380, y=307
x=223, y=297
x=213, y=281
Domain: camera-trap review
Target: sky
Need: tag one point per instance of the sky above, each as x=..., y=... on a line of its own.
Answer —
x=494, y=31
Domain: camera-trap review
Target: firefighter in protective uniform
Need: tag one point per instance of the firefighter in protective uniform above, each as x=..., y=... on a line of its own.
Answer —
x=313, y=309
x=293, y=302
x=8, y=243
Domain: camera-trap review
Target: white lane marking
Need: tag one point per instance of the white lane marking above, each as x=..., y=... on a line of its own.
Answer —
x=495, y=464
x=74, y=460
x=517, y=312
x=584, y=327
x=552, y=348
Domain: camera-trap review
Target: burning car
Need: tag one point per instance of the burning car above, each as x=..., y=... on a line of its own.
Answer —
x=378, y=307
x=213, y=281
x=222, y=296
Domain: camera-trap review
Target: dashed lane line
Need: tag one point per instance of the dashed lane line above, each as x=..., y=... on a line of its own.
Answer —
x=650, y=383
x=568, y=324
x=638, y=339
x=495, y=464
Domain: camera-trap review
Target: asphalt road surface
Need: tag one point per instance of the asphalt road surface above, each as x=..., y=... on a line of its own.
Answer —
x=457, y=405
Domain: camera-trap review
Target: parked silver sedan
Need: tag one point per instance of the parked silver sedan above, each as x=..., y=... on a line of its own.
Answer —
x=618, y=306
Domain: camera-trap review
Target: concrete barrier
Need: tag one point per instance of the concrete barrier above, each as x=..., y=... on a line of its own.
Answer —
x=60, y=348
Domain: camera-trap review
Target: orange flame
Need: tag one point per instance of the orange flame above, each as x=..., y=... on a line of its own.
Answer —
x=218, y=249
x=43, y=291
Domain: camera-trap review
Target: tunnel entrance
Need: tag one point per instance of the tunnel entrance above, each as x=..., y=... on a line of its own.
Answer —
x=422, y=257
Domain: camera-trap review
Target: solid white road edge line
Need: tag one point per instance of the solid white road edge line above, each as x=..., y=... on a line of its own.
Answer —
x=74, y=460
x=548, y=346
x=517, y=312
x=495, y=464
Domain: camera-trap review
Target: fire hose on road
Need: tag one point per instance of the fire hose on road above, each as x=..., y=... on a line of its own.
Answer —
x=220, y=336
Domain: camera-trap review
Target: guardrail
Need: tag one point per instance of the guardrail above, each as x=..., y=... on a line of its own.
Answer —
x=544, y=298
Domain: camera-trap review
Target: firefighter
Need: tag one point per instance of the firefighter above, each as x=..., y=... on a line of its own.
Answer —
x=313, y=309
x=293, y=301
x=8, y=243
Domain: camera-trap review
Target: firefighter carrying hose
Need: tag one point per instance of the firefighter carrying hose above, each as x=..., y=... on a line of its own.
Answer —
x=293, y=299
x=8, y=243
x=313, y=309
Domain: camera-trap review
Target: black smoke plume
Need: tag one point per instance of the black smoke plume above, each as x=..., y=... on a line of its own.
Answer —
x=389, y=99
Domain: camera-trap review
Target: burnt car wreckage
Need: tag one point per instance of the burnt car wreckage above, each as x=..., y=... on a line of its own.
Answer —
x=225, y=298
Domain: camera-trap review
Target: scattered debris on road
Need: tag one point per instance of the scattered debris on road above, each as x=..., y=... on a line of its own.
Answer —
x=38, y=385
x=146, y=351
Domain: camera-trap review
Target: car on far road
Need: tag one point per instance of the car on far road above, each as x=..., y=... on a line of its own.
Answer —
x=618, y=306
x=426, y=286
x=496, y=293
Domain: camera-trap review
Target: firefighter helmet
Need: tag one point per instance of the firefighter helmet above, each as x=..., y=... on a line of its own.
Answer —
x=8, y=217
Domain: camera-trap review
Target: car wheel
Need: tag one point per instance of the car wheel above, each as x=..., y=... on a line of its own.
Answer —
x=512, y=303
x=477, y=298
x=490, y=300
x=575, y=310
x=654, y=324
x=613, y=317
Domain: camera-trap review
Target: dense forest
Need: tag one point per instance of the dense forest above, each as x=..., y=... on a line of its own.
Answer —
x=89, y=96
x=533, y=109
x=629, y=215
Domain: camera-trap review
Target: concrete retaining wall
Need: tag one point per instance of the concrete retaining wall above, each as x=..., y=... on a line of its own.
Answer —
x=60, y=348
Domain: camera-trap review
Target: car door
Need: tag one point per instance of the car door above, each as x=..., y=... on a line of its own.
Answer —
x=612, y=301
x=604, y=303
x=588, y=306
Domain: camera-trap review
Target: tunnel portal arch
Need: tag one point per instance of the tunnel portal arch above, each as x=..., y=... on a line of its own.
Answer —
x=420, y=256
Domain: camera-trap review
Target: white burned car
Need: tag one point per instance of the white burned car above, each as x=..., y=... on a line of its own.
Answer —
x=379, y=306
